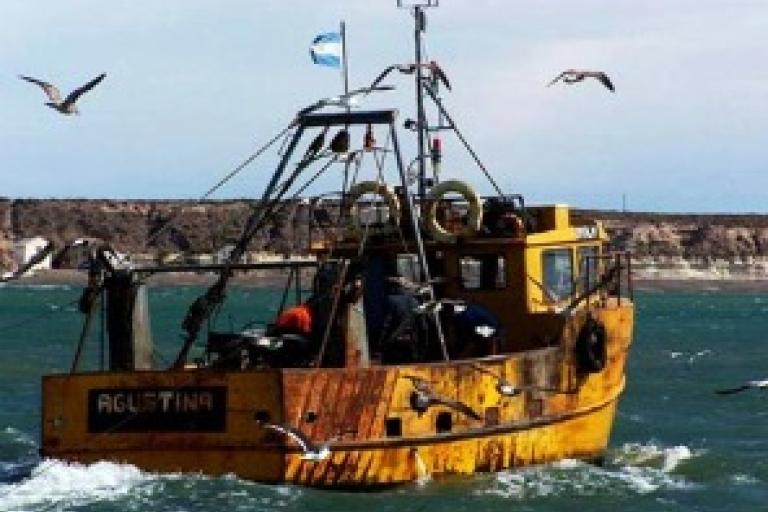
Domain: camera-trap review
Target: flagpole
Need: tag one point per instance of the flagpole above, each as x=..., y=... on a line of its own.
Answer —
x=344, y=66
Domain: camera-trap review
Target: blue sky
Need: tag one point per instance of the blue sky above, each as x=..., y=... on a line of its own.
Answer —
x=194, y=86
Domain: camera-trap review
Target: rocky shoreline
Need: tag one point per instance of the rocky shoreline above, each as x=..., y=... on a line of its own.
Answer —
x=700, y=248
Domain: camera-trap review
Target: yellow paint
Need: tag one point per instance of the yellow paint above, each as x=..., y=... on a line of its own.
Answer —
x=242, y=449
x=533, y=427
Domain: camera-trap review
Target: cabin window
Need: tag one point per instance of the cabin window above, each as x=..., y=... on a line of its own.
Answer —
x=444, y=422
x=557, y=266
x=483, y=272
x=393, y=427
x=408, y=267
x=588, y=267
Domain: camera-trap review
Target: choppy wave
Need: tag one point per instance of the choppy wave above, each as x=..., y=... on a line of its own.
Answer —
x=59, y=485
x=54, y=482
x=631, y=469
x=40, y=287
x=16, y=436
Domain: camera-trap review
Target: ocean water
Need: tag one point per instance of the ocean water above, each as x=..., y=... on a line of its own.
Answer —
x=676, y=445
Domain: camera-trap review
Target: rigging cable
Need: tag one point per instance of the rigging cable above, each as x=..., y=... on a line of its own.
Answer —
x=221, y=182
x=439, y=103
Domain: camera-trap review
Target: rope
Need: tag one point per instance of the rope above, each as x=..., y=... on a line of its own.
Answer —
x=340, y=280
x=441, y=108
x=220, y=183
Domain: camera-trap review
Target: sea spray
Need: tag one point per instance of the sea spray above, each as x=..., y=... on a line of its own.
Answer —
x=422, y=474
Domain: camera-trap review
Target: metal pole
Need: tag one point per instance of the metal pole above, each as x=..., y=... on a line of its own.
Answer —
x=413, y=215
x=418, y=14
x=344, y=65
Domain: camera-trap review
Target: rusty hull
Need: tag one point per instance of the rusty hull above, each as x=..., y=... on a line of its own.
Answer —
x=537, y=426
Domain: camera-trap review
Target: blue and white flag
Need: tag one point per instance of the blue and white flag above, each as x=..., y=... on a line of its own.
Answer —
x=326, y=50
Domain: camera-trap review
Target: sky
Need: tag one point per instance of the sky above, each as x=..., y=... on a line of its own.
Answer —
x=193, y=87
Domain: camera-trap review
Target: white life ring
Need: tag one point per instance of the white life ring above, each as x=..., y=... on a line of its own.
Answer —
x=372, y=187
x=474, y=219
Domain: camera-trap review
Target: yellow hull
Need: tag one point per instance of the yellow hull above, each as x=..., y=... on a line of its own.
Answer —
x=563, y=413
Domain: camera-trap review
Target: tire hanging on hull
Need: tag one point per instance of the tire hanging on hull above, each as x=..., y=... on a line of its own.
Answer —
x=591, y=346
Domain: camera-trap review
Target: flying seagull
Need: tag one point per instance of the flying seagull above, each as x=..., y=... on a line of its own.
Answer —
x=67, y=105
x=571, y=76
x=313, y=452
x=506, y=388
x=422, y=398
x=752, y=384
x=350, y=99
x=503, y=386
x=408, y=69
x=434, y=306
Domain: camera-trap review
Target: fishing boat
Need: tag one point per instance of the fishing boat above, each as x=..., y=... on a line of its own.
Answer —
x=445, y=333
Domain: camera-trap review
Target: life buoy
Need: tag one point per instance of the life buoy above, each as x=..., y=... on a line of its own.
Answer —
x=474, y=219
x=591, y=346
x=371, y=187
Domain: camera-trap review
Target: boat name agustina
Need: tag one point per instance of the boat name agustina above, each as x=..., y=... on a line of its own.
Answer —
x=197, y=409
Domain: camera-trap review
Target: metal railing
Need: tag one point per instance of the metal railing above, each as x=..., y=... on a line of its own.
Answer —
x=613, y=279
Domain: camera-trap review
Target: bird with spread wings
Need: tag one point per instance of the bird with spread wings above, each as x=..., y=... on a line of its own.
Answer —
x=311, y=451
x=347, y=100
x=752, y=384
x=572, y=76
x=66, y=106
x=409, y=69
x=422, y=398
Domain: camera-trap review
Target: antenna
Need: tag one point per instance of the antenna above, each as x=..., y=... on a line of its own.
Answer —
x=420, y=24
x=405, y=4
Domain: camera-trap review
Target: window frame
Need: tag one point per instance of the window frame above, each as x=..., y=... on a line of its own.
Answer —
x=544, y=276
x=501, y=269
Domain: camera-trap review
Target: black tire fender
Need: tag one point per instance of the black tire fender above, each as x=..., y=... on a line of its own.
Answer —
x=592, y=346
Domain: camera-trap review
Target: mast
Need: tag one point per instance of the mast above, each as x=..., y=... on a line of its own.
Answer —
x=420, y=25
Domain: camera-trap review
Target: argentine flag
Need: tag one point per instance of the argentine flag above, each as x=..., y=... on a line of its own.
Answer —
x=326, y=50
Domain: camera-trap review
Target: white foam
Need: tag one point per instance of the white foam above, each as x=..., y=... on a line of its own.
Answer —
x=633, y=469
x=41, y=287
x=666, y=459
x=742, y=479
x=18, y=436
x=71, y=484
x=421, y=469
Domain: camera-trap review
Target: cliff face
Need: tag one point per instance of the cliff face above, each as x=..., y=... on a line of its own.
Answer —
x=690, y=237
x=131, y=226
x=6, y=233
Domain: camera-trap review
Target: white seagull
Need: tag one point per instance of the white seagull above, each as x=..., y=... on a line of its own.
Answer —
x=752, y=384
x=506, y=388
x=422, y=398
x=409, y=69
x=571, y=76
x=67, y=105
x=312, y=451
x=350, y=99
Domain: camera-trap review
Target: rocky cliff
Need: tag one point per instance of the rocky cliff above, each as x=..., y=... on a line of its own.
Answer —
x=154, y=226
x=132, y=226
x=692, y=237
